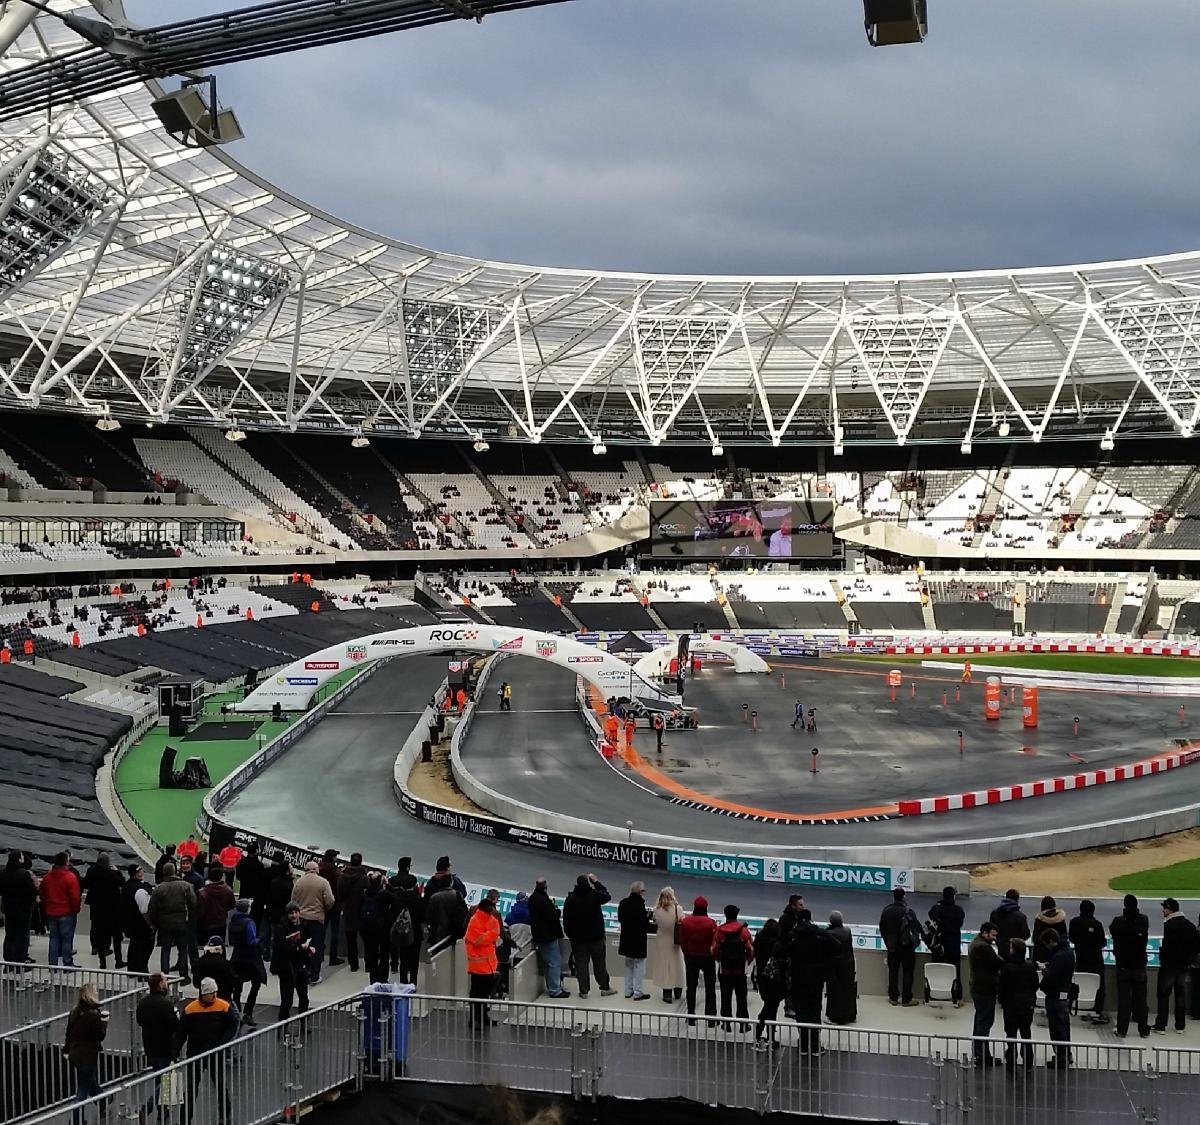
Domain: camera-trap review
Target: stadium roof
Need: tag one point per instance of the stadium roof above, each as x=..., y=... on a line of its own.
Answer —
x=153, y=282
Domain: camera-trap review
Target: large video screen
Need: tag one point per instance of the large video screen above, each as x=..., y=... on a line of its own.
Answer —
x=751, y=529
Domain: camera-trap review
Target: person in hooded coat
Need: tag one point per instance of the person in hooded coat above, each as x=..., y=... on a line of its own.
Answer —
x=103, y=884
x=1048, y=920
x=841, y=990
x=1010, y=921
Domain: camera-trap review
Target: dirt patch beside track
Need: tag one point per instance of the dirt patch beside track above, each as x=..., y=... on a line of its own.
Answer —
x=433, y=781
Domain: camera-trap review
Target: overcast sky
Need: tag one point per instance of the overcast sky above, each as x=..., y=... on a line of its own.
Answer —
x=749, y=136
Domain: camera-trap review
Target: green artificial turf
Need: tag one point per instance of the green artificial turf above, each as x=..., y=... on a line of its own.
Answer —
x=169, y=815
x=1176, y=880
x=1096, y=663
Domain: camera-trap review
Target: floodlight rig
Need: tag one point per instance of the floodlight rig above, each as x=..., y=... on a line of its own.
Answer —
x=194, y=122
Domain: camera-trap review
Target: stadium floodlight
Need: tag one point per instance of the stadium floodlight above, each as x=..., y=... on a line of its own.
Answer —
x=599, y=448
x=235, y=435
x=53, y=202
x=229, y=292
x=107, y=424
x=440, y=339
x=194, y=122
x=480, y=445
x=1004, y=429
x=718, y=450
x=895, y=21
x=1106, y=442
x=965, y=448
x=1186, y=430
x=360, y=441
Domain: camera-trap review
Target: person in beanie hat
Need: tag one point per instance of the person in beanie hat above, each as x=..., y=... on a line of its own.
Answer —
x=291, y=959
x=246, y=959
x=213, y=965
x=695, y=941
x=1130, y=930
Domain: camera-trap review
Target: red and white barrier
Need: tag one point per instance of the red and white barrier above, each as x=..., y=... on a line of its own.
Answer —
x=917, y=648
x=1049, y=786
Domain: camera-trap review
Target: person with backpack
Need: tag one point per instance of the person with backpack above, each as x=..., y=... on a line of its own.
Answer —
x=374, y=927
x=733, y=951
x=770, y=976
x=246, y=959
x=943, y=937
x=407, y=912
x=901, y=934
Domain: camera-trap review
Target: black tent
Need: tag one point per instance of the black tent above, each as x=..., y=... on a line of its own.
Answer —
x=631, y=642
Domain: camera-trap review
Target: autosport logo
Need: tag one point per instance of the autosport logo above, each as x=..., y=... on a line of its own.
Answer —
x=453, y=634
x=356, y=652
x=321, y=665
x=585, y=659
x=547, y=648
x=515, y=645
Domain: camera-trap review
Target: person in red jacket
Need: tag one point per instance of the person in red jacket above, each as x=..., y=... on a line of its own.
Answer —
x=733, y=950
x=695, y=942
x=61, y=894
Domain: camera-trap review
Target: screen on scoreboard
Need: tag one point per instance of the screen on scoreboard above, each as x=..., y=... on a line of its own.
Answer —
x=753, y=529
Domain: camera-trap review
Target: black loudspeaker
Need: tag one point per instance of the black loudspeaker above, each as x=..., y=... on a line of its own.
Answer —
x=166, y=769
x=195, y=775
x=277, y=712
x=177, y=725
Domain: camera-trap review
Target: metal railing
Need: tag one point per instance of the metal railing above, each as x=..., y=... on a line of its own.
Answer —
x=584, y=1053
x=29, y=993
x=266, y=1076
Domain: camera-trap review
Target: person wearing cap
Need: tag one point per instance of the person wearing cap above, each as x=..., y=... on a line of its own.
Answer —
x=212, y=963
x=545, y=925
x=1180, y=945
x=1130, y=930
x=158, y=1018
x=314, y=897
x=696, y=932
x=135, y=902
x=291, y=960
x=246, y=959
x=207, y=1022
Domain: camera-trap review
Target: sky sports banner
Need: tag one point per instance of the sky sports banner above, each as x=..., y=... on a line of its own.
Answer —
x=794, y=872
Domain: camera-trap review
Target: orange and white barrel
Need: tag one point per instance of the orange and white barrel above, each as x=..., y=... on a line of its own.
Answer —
x=991, y=698
x=1029, y=707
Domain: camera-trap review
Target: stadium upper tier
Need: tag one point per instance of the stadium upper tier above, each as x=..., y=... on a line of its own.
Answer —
x=150, y=281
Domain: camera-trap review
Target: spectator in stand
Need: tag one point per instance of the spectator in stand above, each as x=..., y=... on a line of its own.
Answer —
x=189, y=874
x=1086, y=934
x=377, y=910
x=545, y=923
x=444, y=877
x=213, y=963
x=103, y=884
x=279, y=891
x=330, y=870
x=1010, y=920
x=245, y=958
x=583, y=923
x=168, y=856
x=1016, y=990
x=1130, y=930
x=518, y=925
x=87, y=1025
x=1180, y=946
x=1056, y=985
x=135, y=902
x=254, y=881
x=214, y=903
x=172, y=912
x=291, y=960
x=61, y=894
x=1050, y=919
x=315, y=896
x=403, y=894
x=810, y=953
x=770, y=976
x=984, y=964
x=841, y=993
x=445, y=915
x=733, y=951
x=352, y=882
x=666, y=960
x=483, y=933
x=634, y=919
x=696, y=933
x=18, y=894
x=945, y=937
x=158, y=1018
x=896, y=924
x=208, y=1022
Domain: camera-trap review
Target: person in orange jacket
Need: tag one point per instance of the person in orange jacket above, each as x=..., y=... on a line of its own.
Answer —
x=630, y=727
x=483, y=932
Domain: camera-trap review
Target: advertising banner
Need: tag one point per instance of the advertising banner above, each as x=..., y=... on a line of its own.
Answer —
x=768, y=869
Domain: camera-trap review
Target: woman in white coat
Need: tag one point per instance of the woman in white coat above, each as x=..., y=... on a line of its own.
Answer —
x=666, y=958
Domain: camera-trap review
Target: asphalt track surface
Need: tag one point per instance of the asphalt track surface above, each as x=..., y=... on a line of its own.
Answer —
x=334, y=789
x=536, y=754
